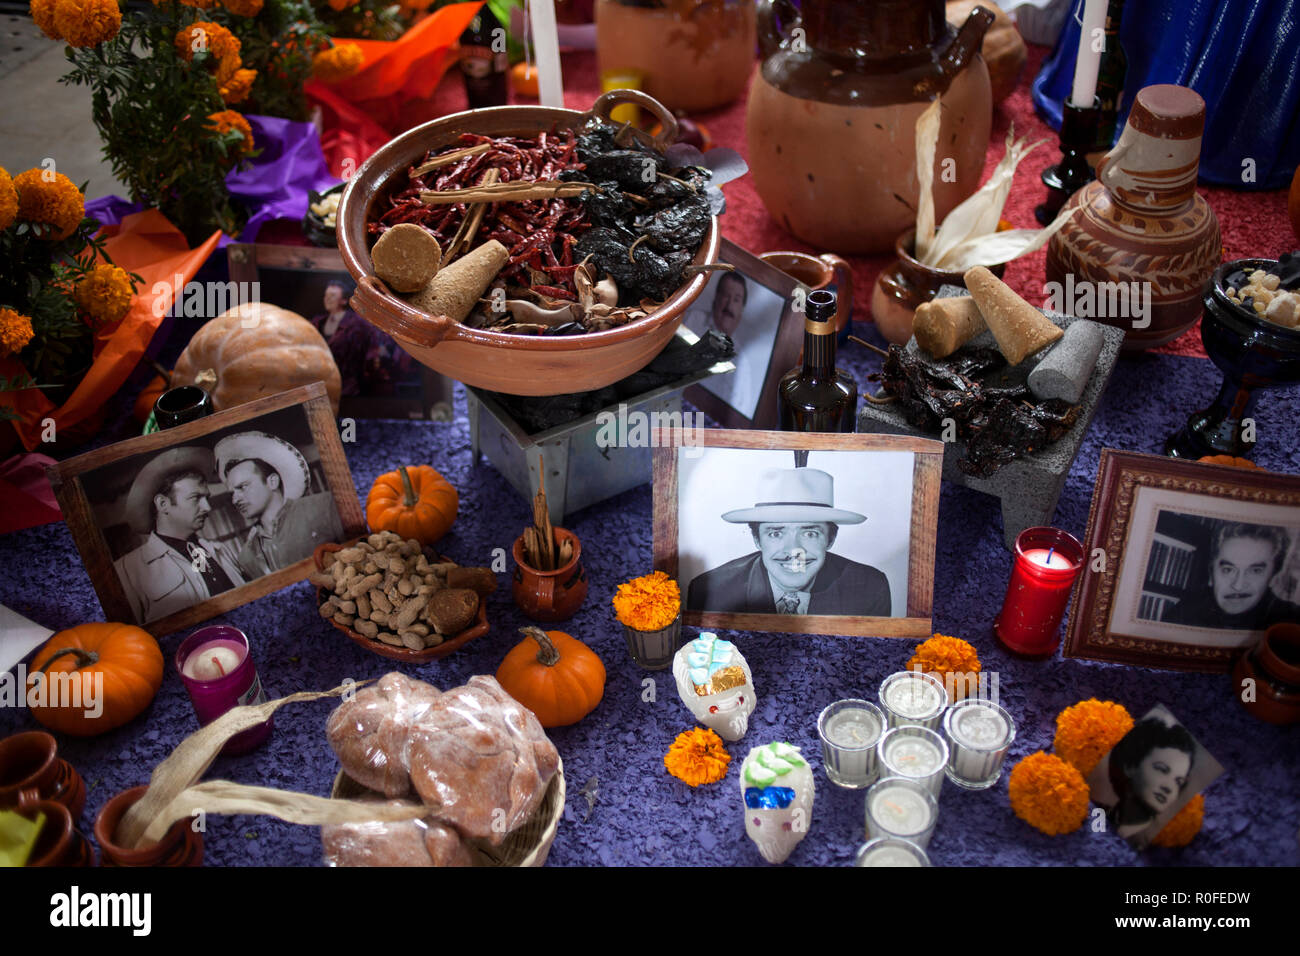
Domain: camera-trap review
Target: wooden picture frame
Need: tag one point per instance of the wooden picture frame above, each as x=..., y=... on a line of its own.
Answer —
x=85, y=486
x=1157, y=529
x=778, y=348
x=289, y=277
x=910, y=617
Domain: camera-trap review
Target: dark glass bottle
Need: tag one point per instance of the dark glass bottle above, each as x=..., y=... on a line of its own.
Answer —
x=1110, y=77
x=818, y=397
x=483, y=68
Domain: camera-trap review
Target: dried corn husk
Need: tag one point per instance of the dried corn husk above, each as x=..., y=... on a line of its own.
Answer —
x=927, y=141
x=1000, y=246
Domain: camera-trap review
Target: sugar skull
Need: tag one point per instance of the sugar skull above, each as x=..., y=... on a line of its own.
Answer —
x=716, y=685
x=777, y=786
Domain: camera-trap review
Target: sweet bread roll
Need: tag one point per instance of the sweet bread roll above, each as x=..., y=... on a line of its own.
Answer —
x=370, y=733
x=424, y=842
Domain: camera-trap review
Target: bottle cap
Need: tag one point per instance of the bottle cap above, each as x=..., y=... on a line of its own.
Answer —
x=819, y=318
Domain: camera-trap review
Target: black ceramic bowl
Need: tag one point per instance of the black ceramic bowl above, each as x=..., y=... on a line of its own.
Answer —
x=313, y=226
x=1248, y=348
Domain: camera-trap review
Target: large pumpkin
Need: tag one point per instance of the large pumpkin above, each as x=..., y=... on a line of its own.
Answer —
x=415, y=502
x=124, y=661
x=1003, y=48
x=254, y=350
x=556, y=676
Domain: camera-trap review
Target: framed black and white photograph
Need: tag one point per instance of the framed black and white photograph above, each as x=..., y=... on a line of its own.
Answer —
x=186, y=523
x=1151, y=774
x=380, y=380
x=802, y=533
x=754, y=307
x=1200, y=560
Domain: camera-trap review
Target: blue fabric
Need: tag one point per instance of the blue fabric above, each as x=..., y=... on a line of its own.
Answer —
x=1240, y=55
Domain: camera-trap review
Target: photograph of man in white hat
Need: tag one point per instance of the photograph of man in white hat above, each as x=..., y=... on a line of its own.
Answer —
x=175, y=567
x=794, y=523
x=268, y=479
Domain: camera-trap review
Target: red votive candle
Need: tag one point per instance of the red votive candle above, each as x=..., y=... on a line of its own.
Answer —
x=1046, y=563
x=216, y=667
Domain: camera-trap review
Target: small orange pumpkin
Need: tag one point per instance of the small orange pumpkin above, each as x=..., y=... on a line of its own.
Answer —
x=415, y=502
x=123, y=659
x=556, y=676
x=1230, y=460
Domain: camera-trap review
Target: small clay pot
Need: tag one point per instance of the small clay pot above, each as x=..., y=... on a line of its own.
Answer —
x=59, y=843
x=906, y=284
x=821, y=272
x=30, y=763
x=1274, y=665
x=550, y=595
x=180, y=846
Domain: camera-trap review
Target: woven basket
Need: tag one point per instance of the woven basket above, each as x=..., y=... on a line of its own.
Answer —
x=527, y=845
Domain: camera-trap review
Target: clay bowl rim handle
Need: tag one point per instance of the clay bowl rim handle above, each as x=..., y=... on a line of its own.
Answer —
x=375, y=297
x=605, y=103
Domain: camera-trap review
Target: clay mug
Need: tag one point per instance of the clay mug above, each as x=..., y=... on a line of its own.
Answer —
x=59, y=843
x=181, y=845
x=1274, y=666
x=550, y=595
x=827, y=271
x=30, y=765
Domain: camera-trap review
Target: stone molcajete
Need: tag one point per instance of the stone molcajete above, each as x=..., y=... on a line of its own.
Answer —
x=716, y=685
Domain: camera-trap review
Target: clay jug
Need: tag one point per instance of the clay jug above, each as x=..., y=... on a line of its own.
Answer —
x=1142, y=221
x=832, y=115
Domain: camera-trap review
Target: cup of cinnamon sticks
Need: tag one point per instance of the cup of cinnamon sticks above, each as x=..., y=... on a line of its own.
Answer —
x=549, y=583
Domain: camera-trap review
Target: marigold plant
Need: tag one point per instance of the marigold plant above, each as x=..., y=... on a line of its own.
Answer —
x=15, y=332
x=225, y=121
x=8, y=200
x=1086, y=732
x=236, y=89
x=243, y=8
x=105, y=293
x=87, y=23
x=945, y=657
x=697, y=757
x=648, y=603
x=1184, y=826
x=1049, y=794
x=51, y=200
x=337, y=63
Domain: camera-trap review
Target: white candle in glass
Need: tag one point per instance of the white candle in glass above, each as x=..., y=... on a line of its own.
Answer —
x=980, y=732
x=849, y=730
x=913, y=698
x=913, y=757
x=900, y=811
x=1088, y=62
x=887, y=852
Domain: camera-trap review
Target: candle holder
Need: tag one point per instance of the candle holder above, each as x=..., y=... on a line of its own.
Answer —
x=654, y=650
x=979, y=733
x=902, y=809
x=1047, y=562
x=916, y=753
x=913, y=699
x=849, y=730
x=177, y=406
x=1079, y=126
x=890, y=851
x=238, y=687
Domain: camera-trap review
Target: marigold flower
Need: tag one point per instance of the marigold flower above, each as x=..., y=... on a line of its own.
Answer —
x=1049, y=794
x=58, y=203
x=42, y=12
x=337, y=63
x=83, y=23
x=697, y=757
x=105, y=293
x=338, y=6
x=198, y=4
x=243, y=8
x=237, y=88
x=946, y=657
x=15, y=332
x=227, y=120
x=204, y=35
x=8, y=200
x=648, y=603
x=1086, y=732
x=1184, y=826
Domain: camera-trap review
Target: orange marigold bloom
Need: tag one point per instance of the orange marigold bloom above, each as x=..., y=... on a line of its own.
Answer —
x=337, y=63
x=105, y=293
x=648, y=603
x=42, y=12
x=697, y=757
x=1185, y=824
x=946, y=658
x=237, y=88
x=84, y=23
x=8, y=200
x=227, y=120
x=15, y=332
x=1049, y=794
x=198, y=4
x=58, y=203
x=243, y=8
x=338, y=6
x=1086, y=732
x=204, y=35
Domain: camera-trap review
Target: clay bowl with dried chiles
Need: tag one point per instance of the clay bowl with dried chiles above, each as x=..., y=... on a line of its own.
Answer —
x=504, y=362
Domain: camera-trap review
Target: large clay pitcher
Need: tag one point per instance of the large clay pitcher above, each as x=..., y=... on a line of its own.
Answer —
x=832, y=115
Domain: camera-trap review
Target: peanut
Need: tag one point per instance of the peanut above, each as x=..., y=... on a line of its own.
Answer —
x=367, y=628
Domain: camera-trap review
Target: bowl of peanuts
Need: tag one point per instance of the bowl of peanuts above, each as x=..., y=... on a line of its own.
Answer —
x=392, y=598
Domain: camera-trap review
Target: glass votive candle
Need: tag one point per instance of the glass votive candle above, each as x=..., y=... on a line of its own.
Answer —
x=913, y=699
x=849, y=730
x=1047, y=562
x=216, y=667
x=890, y=851
x=979, y=734
x=654, y=650
x=899, y=808
x=917, y=753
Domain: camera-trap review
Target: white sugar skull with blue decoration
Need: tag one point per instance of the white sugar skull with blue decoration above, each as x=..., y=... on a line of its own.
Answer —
x=778, y=790
x=715, y=684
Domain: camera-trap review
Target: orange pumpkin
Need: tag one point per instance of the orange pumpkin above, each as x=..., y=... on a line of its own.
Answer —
x=556, y=676
x=124, y=661
x=1230, y=460
x=523, y=79
x=414, y=502
x=255, y=350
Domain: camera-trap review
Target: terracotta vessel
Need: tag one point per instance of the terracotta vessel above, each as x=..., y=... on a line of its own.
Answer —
x=30, y=767
x=550, y=595
x=827, y=271
x=1274, y=666
x=181, y=845
x=59, y=843
x=906, y=284
x=1142, y=220
x=832, y=115
x=693, y=60
x=497, y=361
